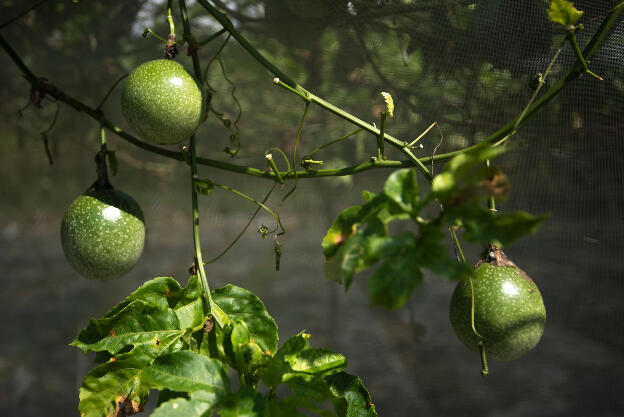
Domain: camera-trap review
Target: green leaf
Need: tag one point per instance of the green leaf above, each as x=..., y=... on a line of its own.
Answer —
x=392, y=284
x=296, y=362
x=166, y=292
x=115, y=385
x=238, y=303
x=402, y=188
x=466, y=178
x=340, y=230
x=138, y=324
x=187, y=371
x=564, y=12
x=354, y=259
x=351, y=397
x=282, y=408
x=431, y=253
x=287, y=407
x=182, y=407
x=500, y=229
x=333, y=266
x=381, y=247
x=245, y=403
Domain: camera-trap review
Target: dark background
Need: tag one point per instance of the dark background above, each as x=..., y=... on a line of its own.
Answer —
x=465, y=64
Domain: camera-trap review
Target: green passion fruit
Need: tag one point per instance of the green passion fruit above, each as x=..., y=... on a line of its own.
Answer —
x=162, y=102
x=509, y=312
x=102, y=233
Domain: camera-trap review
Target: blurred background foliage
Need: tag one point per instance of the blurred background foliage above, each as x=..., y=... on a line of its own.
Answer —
x=465, y=64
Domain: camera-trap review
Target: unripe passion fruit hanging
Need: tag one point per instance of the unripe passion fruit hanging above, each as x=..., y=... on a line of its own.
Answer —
x=509, y=312
x=162, y=102
x=102, y=233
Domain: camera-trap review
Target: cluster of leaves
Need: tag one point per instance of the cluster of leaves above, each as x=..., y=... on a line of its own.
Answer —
x=161, y=337
x=360, y=237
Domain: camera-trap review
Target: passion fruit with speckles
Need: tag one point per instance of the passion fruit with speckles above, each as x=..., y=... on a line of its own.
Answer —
x=163, y=102
x=509, y=312
x=102, y=233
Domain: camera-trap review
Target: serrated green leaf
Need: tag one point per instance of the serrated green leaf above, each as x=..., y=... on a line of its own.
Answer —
x=564, y=12
x=392, y=283
x=466, y=178
x=275, y=408
x=499, y=229
x=242, y=354
x=300, y=366
x=383, y=209
x=354, y=259
x=380, y=247
x=351, y=397
x=333, y=266
x=187, y=371
x=139, y=324
x=239, y=303
x=115, y=385
x=166, y=292
x=402, y=188
x=310, y=386
x=430, y=253
x=340, y=230
x=245, y=403
x=182, y=407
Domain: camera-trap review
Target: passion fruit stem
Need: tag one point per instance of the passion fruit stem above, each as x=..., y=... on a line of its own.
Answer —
x=491, y=202
x=102, y=181
x=484, y=365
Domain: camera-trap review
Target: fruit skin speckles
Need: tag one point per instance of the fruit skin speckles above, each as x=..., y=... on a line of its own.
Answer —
x=509, y=311
x=163, y=102
x=102, y=234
